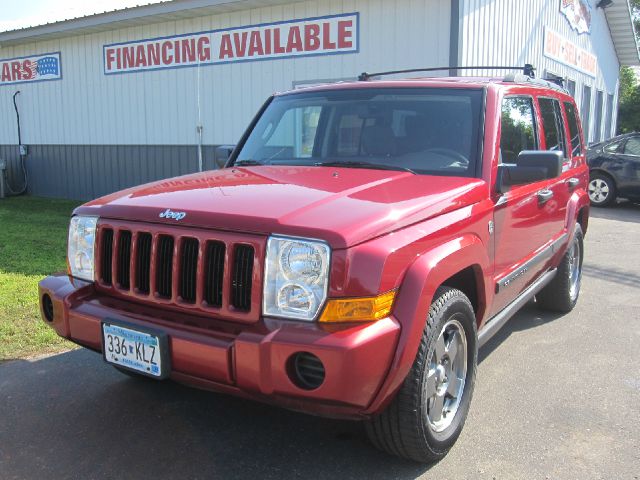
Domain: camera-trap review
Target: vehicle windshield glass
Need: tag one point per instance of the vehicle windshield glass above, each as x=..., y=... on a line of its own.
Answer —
x=427, y=130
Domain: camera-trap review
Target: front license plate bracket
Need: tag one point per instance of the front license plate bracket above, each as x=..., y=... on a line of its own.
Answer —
x=142, y=350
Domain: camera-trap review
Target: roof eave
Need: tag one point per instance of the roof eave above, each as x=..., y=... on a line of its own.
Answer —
x=620, y=20
x=144, y=14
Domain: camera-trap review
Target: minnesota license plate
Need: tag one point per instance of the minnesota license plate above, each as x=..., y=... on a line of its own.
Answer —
x=133, y=349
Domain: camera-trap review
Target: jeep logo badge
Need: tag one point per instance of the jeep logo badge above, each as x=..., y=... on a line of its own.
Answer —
x=174, y=215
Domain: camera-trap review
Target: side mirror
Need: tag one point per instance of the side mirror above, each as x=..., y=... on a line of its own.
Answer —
x=531, y=166
x=222, y=154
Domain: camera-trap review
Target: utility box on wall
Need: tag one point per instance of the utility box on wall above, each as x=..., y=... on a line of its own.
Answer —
x=3, y=169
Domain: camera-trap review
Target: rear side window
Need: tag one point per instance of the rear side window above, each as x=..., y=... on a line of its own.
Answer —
x=552, y=124
x=517, y=127
x=632, y=147
x=572, y=118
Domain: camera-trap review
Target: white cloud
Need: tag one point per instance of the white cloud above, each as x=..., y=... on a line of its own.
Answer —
x=62, y=10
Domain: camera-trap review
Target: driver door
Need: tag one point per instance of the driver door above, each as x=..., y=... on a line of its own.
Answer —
x=522, y=223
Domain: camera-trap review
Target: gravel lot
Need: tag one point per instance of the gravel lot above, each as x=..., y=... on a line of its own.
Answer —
x=556, y=397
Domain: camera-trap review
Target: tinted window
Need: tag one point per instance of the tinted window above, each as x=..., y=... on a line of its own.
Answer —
x=612, y=147
x=572, y=118
x=552, y=124
x=428, y=130
x=632, y=147
x=517, y=127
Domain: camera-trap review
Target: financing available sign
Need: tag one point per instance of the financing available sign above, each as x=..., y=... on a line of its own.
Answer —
x=35, y=68
x=336, y=34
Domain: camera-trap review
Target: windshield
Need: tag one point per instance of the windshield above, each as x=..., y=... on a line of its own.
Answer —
x=424, y=130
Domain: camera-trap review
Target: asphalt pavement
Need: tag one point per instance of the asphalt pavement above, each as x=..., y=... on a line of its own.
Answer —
x=556, y=397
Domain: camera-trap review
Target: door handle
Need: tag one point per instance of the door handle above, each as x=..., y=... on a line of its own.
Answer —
x=544, y=196
x=573, y=182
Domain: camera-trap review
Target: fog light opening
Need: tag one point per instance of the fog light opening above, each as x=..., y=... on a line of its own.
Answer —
x=47, y=307
x=306, y=370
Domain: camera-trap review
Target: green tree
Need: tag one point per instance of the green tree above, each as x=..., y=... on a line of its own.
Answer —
x=635, y=11
x=629, y=94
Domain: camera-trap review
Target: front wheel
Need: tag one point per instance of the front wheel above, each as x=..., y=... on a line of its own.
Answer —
x=426, y=417
x=602, y=190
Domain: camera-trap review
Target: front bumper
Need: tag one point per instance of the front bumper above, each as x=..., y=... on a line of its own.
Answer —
x=245, y=360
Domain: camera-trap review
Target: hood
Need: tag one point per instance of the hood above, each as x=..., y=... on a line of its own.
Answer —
x=343, y=206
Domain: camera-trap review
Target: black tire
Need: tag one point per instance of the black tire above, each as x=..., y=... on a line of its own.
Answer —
x=403, y=428
x=598, y=200
x=558, y=295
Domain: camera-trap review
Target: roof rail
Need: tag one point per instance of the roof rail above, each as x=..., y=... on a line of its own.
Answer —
x=542, y=82
x=528, y=70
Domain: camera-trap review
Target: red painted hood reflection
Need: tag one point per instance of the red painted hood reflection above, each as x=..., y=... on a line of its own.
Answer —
x=343, y=206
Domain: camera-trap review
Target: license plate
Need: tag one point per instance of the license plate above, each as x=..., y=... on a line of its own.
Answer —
x=141, y=351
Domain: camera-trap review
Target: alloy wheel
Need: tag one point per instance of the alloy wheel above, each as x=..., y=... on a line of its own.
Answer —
x=446, y=376
x=599, y=190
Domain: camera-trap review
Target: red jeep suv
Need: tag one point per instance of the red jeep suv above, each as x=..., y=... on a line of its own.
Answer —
x=363, y=241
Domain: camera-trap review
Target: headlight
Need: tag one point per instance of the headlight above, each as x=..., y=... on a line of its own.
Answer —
x=296, y=278
x=82, y=235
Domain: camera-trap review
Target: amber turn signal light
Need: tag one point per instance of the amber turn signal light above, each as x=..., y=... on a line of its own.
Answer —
x=366, y=309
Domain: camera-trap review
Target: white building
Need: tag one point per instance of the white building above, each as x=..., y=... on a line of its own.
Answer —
x=121, y=98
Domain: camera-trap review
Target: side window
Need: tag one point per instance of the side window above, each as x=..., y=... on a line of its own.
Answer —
x=612, y=147
x=572, y=118
x=518, y=128
x=632, y=147
x=552, y=124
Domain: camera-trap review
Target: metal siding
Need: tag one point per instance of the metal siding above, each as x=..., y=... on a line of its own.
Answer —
x=508, y=32
x=83, y=172
x=160, y=108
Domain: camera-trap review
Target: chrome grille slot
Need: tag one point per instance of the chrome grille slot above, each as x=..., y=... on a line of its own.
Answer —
x=242, y=276
x=124, y=260
x=214, y=273
x=143, y=262
x=164, y=266
x=188, y=269
x=106, y=256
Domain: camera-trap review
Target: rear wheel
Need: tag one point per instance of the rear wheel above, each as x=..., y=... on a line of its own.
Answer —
x=561, y=295
x=602, y=190
x=427, y=415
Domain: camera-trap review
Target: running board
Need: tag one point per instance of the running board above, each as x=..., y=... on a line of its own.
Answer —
x=497, y=322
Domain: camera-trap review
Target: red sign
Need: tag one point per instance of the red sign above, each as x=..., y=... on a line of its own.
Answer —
x=296, y=38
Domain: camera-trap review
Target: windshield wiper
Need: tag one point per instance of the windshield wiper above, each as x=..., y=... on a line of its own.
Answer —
x=246, y=163
x=354, y=164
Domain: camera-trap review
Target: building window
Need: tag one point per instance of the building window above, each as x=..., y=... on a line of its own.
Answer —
x=609, y=120
x=571, y=87
x=518, y=130
x=598, y=116
x=586, y=113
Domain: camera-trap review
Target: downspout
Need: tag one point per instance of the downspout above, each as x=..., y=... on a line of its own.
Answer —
x=22, y=154
x=199, y=125
x=454, y=38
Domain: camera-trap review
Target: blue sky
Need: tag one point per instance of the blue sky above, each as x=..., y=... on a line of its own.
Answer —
x=25, y=13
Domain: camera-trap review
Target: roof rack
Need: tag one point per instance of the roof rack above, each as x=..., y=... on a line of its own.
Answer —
x=525, y=74
x=528, y=70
